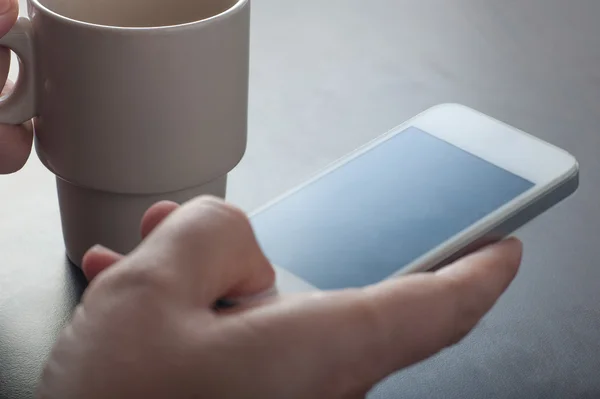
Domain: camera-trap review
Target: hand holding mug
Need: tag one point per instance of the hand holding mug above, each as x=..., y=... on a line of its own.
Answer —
x=15, y=140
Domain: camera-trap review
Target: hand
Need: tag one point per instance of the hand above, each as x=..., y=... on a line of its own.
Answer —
x=15, y=141
x=146, y=327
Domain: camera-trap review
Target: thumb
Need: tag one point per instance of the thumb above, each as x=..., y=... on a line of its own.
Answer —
x=355, y=338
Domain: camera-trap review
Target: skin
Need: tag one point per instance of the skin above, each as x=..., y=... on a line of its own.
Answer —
x=147, y=326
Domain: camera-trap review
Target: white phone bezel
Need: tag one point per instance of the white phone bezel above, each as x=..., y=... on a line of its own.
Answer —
x=524, y=155
x=543, y=164
x=496, y=142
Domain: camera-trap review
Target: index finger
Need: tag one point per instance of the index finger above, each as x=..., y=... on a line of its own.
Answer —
x=358, y=337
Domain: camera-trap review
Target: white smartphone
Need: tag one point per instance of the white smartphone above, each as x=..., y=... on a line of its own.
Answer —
x=412, y=200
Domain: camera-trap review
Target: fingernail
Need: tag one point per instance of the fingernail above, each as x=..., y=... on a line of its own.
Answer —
x=511, y=248
x=511, y=242
x=98, y=248
x=6, y=6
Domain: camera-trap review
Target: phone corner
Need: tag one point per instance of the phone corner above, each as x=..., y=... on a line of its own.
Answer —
x=572, y=167
x=449, y=106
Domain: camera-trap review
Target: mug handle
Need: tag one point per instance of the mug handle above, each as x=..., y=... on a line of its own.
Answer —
x=20, y=105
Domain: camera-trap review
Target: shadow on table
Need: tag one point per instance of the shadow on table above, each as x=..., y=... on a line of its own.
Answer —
x=35, y=309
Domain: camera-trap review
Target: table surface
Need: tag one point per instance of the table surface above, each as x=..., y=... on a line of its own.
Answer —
x=325, y=78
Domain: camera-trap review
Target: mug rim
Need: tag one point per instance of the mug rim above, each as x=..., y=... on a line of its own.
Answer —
x=239, y=4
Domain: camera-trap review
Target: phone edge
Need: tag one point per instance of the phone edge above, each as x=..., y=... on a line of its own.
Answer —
x=506, y=227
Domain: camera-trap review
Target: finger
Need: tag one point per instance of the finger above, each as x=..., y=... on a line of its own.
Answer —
x=9, y=11
x=15, y=147
x=98, y=259
x=358, y=337
x=208, y=250
x=15, y=141
x=155, y=215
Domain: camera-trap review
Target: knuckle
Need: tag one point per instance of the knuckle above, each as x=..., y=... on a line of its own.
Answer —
x=467, y=308
x=210, y=200
x=369, y=336
x=236, y=217
x=214, y=222
x=369, y=312
x=236, y=225
x=269, y=274
x=229, y=214
x=374, y=320
x=210, y=219
x=132, y=281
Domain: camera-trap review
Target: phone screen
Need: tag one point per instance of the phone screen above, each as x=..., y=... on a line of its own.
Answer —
x=374, y=215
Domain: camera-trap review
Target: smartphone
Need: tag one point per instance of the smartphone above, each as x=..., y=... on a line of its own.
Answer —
x=412, y=200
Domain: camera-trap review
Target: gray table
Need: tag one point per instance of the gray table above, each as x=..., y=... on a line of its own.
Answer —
x=327, y=76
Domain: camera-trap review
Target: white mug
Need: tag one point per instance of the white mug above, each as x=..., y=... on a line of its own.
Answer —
x=134, y=101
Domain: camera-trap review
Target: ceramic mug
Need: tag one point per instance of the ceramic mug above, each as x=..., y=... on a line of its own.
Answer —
x=134, y=101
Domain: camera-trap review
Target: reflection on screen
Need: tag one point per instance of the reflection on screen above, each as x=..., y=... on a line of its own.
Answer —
x=376, y=214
